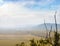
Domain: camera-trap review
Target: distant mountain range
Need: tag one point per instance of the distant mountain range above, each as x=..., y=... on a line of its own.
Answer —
x=42, y=26
x=39, y=27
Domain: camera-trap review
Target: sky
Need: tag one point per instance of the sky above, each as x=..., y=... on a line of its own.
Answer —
x=21, y=13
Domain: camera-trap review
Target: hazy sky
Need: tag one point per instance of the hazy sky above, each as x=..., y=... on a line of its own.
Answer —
x=16, y=13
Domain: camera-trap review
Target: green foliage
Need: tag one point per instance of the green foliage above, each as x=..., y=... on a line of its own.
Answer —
x=22, y=44
x=33, y=43
x=56, y=39
x=41, y=41
x=46, y=41
x=17, y=44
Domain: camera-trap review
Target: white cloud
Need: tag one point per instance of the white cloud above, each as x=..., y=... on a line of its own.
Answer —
x=1, y=0
x=38, y=2
x=32, y=2
x=14, y=14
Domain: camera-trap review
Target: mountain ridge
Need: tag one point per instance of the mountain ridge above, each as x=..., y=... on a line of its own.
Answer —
x=48, y=25
x=39, y=27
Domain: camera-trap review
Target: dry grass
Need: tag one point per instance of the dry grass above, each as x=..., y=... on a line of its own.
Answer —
x=12, y=40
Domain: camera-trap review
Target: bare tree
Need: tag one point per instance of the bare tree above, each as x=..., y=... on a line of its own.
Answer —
x=50, y=32
x=55, y=21
x=46, y=29
x=56, y=36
